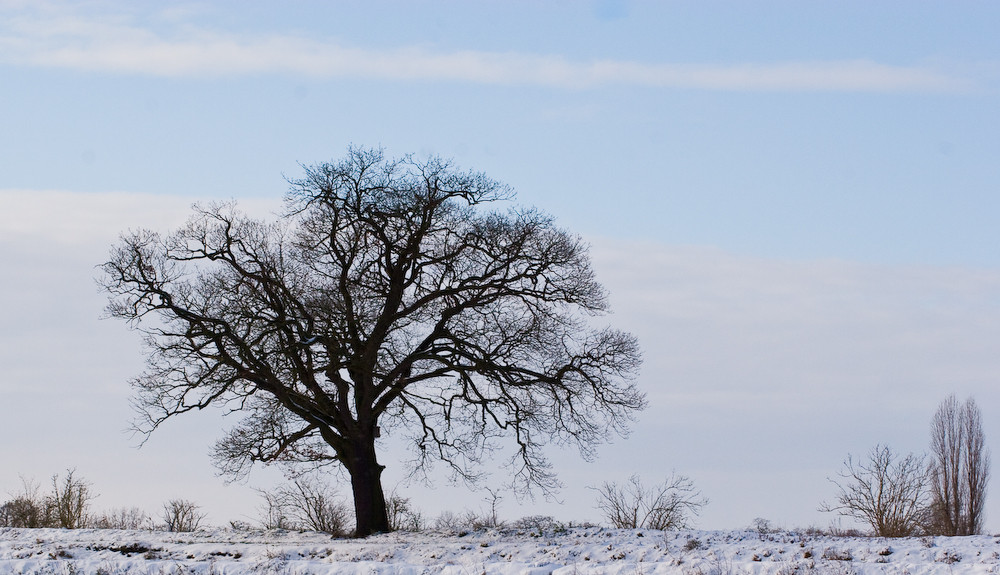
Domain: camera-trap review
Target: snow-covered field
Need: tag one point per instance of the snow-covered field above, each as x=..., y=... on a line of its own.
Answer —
x=562, y=552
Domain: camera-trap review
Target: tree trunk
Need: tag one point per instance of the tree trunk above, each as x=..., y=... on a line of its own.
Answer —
x=369, y=499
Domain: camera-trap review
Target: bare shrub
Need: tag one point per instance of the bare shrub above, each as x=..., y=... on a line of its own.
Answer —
x=832, y=554
x=402, y=515
x=947, y=556
x=467, y=520
x=27, y=509
x=317, y=506
x=305, y=504
x=181, y=515
x=887, y=492
x=810, y=531
x=539, y=524
x=122, y=518
x=668, y=505
x=448, y=521
x=22, y=513
x=66, y=506
x=274, y=511
x=240, y=525
x=69, y=501
x=479, y=521
x=763, y=527
x=959, y=469
x=836, y=530
x=470, y=520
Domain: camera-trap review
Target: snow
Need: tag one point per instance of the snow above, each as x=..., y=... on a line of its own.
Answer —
x=589, y=550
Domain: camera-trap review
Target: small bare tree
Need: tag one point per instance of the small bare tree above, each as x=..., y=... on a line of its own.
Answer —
x=668, y=505
x=887, y=492
x=306, y=504
x=976, y=473
x=959, y=469
x=491, y=520
x=70, y=500
x=181, y=515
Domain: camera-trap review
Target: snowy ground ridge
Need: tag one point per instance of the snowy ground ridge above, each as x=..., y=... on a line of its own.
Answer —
x=591, y=550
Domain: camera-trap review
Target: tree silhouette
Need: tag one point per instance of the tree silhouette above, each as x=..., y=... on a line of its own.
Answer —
x=960, y=469
x=386, y=299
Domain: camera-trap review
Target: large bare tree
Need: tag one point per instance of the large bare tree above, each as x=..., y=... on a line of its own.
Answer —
x=959, y=469
x=386, y=299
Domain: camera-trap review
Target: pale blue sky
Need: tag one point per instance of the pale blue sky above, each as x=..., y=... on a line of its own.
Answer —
x=875, y=137
x=804, y=196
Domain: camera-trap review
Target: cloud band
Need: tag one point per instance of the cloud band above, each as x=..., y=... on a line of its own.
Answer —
x=46, y=39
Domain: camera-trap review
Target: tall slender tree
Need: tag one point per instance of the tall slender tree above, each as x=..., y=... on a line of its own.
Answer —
x=387, y=299
x=959, y=469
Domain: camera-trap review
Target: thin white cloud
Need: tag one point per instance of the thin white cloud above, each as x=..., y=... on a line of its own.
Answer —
x=834, y=325
x=49, y=38
x=75, y=219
